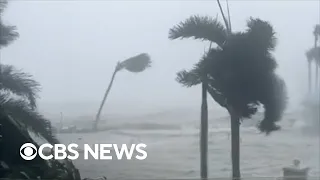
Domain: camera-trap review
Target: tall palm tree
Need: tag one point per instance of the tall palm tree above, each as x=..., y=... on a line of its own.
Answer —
x=134, y=64
x=204, y=107
x=316, y=34
x=313, y=55
x=240, y=73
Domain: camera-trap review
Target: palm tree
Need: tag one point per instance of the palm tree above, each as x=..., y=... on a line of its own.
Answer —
x=316, y=34
x=313, y=55
x=240, y=75
x=134, y=64
x=18, y=114
x=18, y=91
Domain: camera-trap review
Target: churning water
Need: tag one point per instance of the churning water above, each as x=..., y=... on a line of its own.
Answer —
x=173, y=148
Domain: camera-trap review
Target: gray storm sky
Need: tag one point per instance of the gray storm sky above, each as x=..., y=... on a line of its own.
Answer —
x=71, y=48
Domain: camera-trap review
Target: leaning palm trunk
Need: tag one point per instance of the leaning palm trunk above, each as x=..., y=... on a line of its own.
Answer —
x=134, y=64
x=104, y=100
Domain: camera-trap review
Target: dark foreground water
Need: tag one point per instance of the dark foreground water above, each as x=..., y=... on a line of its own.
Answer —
x=173, y=150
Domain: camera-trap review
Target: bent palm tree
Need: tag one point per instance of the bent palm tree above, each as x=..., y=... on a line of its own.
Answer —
x=134, y=64
x=240, y=73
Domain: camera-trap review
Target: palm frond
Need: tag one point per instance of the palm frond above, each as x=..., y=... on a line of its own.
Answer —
x=217, y=96
x=19, y=110
x=136, y=63
x=188, y=78
x=3, y=5
x=204, y=28
x=19, y=83
x=261, y=34
x=275, y=102
x=313, y=54
x=192, y=77
x=241, y=72
x=7, y=34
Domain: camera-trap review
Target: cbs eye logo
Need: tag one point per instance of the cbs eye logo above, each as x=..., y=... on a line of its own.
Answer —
x=28, y=151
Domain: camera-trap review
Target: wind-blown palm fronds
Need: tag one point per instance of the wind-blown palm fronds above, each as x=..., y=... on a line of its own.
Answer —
x=313, y=54
x=134, y=64
x=18, y=94
x=244, y=61
x=7, y=33
x=192, y=77
x=18, y=90
x=19, y=110
x=261, y=34
x=3, y=5
x=204, y=28
x=18, y=113
x=19, y=83
x=241, y=73
x=274, y=101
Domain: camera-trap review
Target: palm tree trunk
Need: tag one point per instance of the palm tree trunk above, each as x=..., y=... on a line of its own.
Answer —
x=235, y=125
x=235, y=145
x=204, y=131
x=309, y=76
x=316, y=65
x=95, y=125
x=316, y=79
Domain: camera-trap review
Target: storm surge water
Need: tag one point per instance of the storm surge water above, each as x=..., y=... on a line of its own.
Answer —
x=173, y=148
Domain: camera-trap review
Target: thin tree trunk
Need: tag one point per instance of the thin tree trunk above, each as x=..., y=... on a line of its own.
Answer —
x=204, y=131
x=309, y=76
x=95, y=125
x=235, y=145
x=316, y=79
x=316, y=65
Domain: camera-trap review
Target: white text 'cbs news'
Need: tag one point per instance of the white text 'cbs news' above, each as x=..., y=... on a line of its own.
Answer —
x=29, y=151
